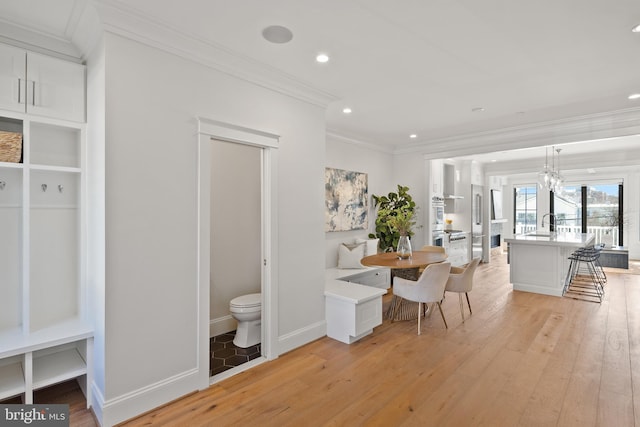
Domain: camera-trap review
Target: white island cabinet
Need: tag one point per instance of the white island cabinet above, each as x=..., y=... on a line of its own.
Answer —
x=539, y=262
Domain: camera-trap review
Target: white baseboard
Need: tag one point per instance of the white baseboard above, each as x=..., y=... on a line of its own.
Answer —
x=137, y=402
x=222, y=325
x=97, y=402
x=302, y=336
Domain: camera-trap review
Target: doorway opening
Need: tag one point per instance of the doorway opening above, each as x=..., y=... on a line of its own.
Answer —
x=241, y=262
x=236, y=254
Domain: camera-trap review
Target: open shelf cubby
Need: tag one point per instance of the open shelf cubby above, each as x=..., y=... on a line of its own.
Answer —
x=45, y=333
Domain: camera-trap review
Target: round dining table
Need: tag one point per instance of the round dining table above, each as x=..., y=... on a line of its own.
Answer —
x=407, y=269
x=418, y=259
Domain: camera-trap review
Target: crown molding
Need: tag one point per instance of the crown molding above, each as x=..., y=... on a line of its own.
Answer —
x=367, y=145
x=575, y=129
x=574, y=162
x=123, y=20
x=85, y=28
x=39, y=41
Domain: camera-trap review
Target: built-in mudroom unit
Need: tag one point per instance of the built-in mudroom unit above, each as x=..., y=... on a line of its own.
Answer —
x=46, y=335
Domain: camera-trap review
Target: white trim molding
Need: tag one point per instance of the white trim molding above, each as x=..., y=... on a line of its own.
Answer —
x=234, y=133
x=576, y=129
x=211, y=129
x=132, y=404
x=302, y=336
x=221, y=325
x=124, y=20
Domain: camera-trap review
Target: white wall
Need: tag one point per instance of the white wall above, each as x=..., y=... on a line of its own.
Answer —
x=153, y=99
x=353, y=157
x=409, y=170
x=236, y=247
x=96, y=110
x=632, y=211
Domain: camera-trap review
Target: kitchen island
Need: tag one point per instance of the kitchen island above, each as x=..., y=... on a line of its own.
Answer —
x=539, y=261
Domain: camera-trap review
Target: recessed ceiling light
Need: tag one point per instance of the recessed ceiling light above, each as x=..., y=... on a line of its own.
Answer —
x=634, y=96
x=346, y=110
x=322, y=58
x=413, y=136
x=636, y=29
x=493, y=160
x=277, y=34
x=477, y=109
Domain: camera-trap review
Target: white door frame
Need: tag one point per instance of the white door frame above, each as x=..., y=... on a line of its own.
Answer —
x=208, y=130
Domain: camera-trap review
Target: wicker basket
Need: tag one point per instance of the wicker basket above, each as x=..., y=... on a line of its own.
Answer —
x=10, y=147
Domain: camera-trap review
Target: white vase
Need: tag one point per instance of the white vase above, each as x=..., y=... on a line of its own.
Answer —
x=404, y=247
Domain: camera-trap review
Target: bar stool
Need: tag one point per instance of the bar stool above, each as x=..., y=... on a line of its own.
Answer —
x=586, y=277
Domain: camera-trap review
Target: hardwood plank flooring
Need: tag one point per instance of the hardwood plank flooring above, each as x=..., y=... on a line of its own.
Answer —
x=521, y=359
x=68, y=393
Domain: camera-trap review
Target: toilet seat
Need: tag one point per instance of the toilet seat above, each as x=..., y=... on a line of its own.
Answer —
x=246, y=301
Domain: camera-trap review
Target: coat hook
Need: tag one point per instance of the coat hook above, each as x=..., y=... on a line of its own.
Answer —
x=60, y=188
x=2, y=184
x=44, y=187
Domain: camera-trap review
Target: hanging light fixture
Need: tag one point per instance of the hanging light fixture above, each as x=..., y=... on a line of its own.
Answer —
x=544, y=177
x=557, y=187
x=549, y=178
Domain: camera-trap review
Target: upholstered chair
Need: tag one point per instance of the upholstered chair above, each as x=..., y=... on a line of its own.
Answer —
x=461, y=281
x=429, y=288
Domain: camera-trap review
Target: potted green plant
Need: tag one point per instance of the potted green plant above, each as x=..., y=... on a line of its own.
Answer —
x=402, y=223
x=396, y=212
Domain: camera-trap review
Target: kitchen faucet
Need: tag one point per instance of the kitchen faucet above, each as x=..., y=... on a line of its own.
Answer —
x=548, y=214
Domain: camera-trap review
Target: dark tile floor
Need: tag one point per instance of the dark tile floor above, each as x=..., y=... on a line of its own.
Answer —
x=225, y=355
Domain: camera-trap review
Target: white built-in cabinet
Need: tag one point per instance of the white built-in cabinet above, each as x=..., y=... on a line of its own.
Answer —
x=377, y=278
x=353, y=301
x=477, y=176
x=436, y=178
x=41, y=85
x=45, y=330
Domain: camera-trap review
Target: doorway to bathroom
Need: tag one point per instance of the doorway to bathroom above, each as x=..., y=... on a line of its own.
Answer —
x=237, y=249
x=236, y=253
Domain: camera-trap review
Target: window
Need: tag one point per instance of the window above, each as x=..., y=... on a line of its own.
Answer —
x=591, y=208
x=567, y=208
x=524, y=207
x=603, y=209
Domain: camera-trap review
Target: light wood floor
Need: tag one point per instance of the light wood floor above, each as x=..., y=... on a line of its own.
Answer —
x=520, y=359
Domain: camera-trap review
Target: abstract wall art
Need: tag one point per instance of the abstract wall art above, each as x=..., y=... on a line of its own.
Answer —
x=346, y=200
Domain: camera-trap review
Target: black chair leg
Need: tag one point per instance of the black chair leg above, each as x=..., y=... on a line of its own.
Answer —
x=468, y=303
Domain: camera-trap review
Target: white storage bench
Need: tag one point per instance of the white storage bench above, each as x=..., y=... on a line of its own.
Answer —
x=354, y=301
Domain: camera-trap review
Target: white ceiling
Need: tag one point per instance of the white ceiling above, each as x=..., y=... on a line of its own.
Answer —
x=414, y=66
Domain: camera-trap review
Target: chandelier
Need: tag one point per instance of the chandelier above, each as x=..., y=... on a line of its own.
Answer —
x=549, y=178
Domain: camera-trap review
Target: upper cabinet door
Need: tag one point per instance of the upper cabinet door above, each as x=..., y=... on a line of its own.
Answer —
x=12, y=78
x=55, y=88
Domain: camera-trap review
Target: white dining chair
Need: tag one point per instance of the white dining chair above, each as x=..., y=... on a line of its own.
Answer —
x=429, y=288
x=461, y=281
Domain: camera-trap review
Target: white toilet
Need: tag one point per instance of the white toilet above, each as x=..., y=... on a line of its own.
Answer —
x=247, y=310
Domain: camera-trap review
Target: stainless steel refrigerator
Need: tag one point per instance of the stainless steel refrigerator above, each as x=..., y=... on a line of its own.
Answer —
x=477, y=213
